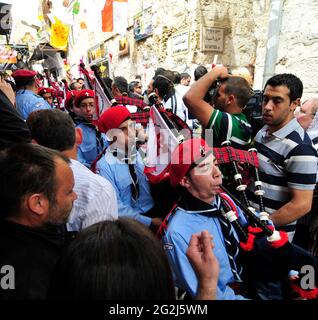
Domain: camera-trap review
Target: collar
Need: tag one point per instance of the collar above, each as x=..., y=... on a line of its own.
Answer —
x=190, y=203
x=282, y=133
x=121, y=155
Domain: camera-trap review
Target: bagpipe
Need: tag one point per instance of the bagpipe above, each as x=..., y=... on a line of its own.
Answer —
x=267, y=255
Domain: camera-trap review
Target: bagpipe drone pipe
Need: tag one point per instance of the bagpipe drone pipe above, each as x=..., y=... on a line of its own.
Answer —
x=103, y=95
x=266, y=254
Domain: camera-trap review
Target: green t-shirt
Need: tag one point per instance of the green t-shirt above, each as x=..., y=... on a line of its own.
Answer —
x=232, y=127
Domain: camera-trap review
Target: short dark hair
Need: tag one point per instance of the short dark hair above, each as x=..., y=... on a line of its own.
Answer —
x=79, y=79
x=169, y=74
x=25, y=82
x=52, y=128
x=240, y=89
x=119, y=260
x=121, y=84
x=133, y=85
x=184, y=75
x=177, y=78
x=72, y=85
x=159, y=71
x=199, y=72
x=293, y=83
x=26, y=169
x=164, y=86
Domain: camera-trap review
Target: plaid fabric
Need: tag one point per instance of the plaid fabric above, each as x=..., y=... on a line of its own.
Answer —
x=143, y=118
x=140, y=117
x=176, y=120
x=229, y=154
x=124, y=100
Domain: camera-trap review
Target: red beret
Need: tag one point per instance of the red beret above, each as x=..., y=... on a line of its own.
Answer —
x=112, y=118
x=45, y=90
x=83, y=94
x=69, y=96
x=186, y=154
x=23, y=74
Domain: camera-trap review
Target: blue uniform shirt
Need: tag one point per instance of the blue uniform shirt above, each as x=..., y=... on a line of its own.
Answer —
x=182, y=224
x=91, y=145
x=27, y=101
x=117, y=173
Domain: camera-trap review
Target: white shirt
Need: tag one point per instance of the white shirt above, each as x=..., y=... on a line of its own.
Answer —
x=96, y=199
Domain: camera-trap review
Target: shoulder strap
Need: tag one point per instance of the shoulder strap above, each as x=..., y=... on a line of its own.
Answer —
x=93, y=165
x=164, y=225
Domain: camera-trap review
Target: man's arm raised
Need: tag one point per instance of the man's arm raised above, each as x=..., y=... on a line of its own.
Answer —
x=194, y=98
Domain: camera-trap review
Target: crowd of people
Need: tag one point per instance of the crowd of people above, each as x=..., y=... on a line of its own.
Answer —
x=80, y=219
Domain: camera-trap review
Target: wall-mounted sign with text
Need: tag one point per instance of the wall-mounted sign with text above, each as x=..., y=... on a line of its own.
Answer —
x=212, y=39
x=180, y=42
x=143, y=24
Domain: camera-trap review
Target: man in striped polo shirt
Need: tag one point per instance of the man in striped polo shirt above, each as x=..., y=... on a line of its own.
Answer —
x=287, y=163
x=225, y=115
x=287, y=159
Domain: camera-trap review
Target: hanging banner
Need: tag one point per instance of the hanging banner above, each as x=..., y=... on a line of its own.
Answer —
x=59, y=35
x=115, y=16
x=76, y=7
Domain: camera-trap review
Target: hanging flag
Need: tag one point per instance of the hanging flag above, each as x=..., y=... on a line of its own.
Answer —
x=83, y=25
x=76, y=7
x=103, y=102
x=115, y=16
x=59, y=35
x=161, y=144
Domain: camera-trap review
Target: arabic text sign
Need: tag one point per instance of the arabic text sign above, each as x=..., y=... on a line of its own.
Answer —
x=180, y=42
x=212, y=39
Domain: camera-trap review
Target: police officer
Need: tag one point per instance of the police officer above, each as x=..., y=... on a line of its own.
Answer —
x=27, y=99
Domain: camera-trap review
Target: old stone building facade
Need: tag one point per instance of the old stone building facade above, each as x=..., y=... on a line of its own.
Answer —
x=239, y=36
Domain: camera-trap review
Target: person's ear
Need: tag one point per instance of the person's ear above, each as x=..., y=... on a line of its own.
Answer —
x=185, y=182
x=230, y=99
x=38, y=203
x=295, y=104
x=78, y=136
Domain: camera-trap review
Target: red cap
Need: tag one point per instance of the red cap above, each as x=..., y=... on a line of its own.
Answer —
x=45, y=90
x=68, y=100
x=186, y=154
x=23, y=74
x=83, y=94
x=112, y=118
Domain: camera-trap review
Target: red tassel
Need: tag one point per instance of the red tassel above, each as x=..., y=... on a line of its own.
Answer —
x=254, y=230
x=249, y=245
x=306, y=294
x=281, y=242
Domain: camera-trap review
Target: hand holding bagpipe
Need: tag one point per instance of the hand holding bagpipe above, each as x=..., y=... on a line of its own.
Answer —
x=267, y=254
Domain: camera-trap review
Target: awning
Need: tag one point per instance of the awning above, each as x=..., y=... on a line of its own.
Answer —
x=43, y=51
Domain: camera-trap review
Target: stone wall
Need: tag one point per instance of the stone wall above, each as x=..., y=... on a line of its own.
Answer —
x=174, y=16
x=245, y=25
x=298, y=42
